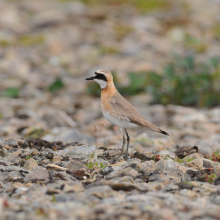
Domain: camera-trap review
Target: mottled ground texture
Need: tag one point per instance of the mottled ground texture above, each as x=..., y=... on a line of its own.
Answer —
x=57, y=152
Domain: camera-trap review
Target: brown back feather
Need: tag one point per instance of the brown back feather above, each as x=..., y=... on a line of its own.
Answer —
x=125, y=109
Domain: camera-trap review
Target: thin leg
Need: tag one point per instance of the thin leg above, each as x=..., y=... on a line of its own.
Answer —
x=122, y=131
x=128, y=140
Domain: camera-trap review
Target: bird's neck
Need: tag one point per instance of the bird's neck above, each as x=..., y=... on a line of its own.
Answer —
x=108, y=91
x=109, y=86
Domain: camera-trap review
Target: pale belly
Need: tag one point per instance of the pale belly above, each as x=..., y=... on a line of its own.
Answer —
x=122, y=122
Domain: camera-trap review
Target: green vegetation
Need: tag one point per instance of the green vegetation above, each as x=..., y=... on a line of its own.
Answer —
x=122, y=30
x=56, y=85
x=35, y=133
x=195, y=44
x=209, y=178
x=28, y=157
x=53, y=199
x=182, y=82
x=92, y=165
x=216, y=156
x=140, y=5
x=27, y=40
x=24, y=40
x=146, y=140
x=189, y=159
x=178, y=160
x=108, y=50
x=10, y=92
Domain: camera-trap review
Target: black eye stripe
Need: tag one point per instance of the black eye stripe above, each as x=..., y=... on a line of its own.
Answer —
x=101, y=77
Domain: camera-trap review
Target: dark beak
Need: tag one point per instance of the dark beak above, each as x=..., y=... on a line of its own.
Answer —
x=91, y=78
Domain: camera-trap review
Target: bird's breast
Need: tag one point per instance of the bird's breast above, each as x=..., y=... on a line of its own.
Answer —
x=106, y=97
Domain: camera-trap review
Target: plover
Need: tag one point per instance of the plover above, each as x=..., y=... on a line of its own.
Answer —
x=118, y=111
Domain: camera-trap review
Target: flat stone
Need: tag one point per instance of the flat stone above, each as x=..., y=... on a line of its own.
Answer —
x=100, y=191
x=139, y=167
x=3, y=153
x=195, y=164
x=55, y=167
x=38, y=174
x=74, y=165
x=124, y=172
x=193, y=156
x=77, y=187
x=57, y=159
x=80, y=152
x=164, y=179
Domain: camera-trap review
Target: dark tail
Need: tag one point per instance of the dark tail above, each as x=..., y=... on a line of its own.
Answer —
x=164, y=132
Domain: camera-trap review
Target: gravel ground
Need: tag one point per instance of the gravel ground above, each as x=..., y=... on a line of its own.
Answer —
x=71, y=171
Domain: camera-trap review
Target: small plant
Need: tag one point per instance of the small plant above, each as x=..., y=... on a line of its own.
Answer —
x=56, y=85
x=189, y=159
x=216, y=156
x=53, y=198
x=11, y=92
x=27, y=157
x=167, y=157
x=156, y=157
x=210, y=178
x=189, y=183
x=183, y=82
x=92, y=165
x=35, y=133
x=178, y=160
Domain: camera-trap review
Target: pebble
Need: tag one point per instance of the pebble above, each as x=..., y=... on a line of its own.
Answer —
x=30, y=164
x=37, y=174
x=74, y=165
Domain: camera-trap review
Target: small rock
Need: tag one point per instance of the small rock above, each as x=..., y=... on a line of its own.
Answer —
x=164, y=179
x=55, y=167
x=155, y=186
x=216, y=168
x=100, y=191
x=71, y=135
x=124, y=172
x=78, y=187
x=182, y=152
x=30, y=164
x=193, y=156
x=142, y=156
x=139, y=167
x=3, y=153
x=57, y=159
x=195, y=164
x=208, y=163
x=12, y=141
x=80, y=152
x=14, y=175
x=119, y=164
x=107, y=170
x=74, y=165
x=172, y=187
x=38, y=174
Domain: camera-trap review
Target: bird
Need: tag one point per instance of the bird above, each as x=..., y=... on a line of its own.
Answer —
x=119, y=111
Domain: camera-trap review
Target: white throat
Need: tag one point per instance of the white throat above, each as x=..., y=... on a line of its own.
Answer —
x=102, y=83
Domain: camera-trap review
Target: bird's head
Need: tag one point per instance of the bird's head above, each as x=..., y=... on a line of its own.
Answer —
x=102, y=77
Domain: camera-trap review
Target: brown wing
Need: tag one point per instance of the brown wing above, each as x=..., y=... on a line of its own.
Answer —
x=125, y=109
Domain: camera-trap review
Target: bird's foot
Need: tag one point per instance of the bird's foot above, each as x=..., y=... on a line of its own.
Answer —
x=126, y=157
x=122, y=157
